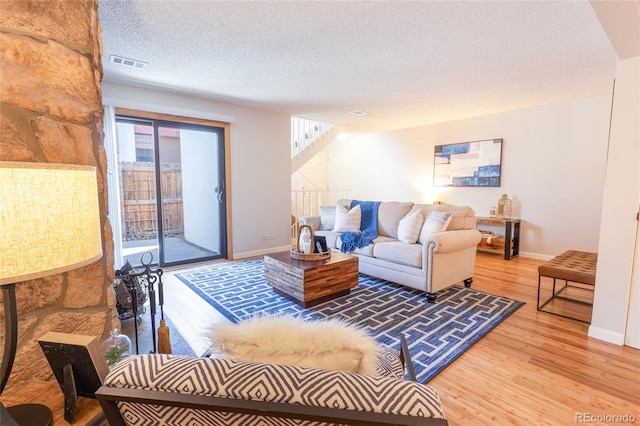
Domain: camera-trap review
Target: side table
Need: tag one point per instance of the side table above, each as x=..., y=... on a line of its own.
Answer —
x=49, y=393
x=506, y=241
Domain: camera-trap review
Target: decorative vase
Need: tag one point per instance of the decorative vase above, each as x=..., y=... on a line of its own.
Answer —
x=504, y=207
x=304, y=243
x=116, y=348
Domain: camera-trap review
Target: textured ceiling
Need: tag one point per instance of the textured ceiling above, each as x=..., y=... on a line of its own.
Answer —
x=406, y=63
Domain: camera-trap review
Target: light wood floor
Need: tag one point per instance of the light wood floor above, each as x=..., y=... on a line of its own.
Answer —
x=533, y=369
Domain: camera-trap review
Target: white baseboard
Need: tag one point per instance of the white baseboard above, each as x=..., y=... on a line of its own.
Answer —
x=606, y=335
x=535, y=255
x=256, y=253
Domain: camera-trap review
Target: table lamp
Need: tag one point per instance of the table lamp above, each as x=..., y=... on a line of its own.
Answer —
x=49, y=224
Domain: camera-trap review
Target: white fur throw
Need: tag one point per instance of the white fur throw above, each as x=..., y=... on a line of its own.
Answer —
x=331, y=344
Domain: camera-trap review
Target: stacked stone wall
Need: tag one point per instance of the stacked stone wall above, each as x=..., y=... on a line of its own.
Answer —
x=51, y=112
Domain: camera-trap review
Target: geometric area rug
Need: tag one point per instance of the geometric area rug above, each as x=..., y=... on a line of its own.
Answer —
x=436, y=333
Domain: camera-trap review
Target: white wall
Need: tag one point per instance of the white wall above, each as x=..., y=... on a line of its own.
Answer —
x=553, y=164
x=620, y=207
x=313, y=174
x=260, y=161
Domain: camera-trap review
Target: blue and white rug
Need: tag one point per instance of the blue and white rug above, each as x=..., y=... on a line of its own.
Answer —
x=437, y=333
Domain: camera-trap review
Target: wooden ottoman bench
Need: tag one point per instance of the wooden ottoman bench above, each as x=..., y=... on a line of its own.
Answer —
x=572, y=266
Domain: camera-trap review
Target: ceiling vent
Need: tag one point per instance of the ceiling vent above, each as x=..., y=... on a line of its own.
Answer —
x=358, y=113
x=127, y=62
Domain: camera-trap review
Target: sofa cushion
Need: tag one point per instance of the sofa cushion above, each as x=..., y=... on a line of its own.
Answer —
x=364, y=251
x=410, y=226
x=347, y=220
x=389, y=215
x=331, y=238
x=425, y=209
x=368, y=250
x=462, y=217
x=261, y=382
x=399, y=252
x=329, y=344
x=312, y=221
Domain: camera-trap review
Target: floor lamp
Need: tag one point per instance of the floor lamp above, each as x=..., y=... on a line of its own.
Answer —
x=49, y=224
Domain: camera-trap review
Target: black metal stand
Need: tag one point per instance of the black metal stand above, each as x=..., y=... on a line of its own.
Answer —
x=151, y=277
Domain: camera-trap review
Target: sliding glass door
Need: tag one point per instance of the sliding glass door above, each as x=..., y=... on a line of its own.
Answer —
x=172, y=191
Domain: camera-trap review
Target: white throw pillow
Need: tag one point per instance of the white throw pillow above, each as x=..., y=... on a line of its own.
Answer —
x=348, y=220
x=331, y=344
x=435, y=222
x=409, y=227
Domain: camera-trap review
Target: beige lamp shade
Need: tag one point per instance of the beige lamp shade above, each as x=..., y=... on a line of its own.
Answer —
x=49, y=219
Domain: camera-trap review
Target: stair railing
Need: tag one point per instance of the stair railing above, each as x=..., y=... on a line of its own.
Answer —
x=304, y=132
x=307, y=202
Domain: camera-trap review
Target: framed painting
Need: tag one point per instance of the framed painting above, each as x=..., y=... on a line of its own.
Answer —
x=468, y=163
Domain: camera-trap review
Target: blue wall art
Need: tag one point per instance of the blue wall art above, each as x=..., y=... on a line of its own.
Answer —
x=468, y=163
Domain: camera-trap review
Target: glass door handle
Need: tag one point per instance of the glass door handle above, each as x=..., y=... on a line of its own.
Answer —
x=220, y=196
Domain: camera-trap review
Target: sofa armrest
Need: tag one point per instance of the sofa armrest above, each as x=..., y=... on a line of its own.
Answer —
x=313, y=221
x=452, y=241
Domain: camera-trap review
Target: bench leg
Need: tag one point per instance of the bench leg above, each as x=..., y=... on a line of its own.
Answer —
x=556, y=294
x=538, y=302
x=431, y=298
x=553, y=293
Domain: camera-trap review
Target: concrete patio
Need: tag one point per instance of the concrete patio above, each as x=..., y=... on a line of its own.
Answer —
x=176, y=249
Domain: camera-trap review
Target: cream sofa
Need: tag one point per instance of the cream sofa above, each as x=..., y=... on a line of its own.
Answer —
x=445, y=258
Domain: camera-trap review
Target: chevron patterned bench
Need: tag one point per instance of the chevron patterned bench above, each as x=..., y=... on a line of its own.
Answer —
x=572, y=266
x=177, y=390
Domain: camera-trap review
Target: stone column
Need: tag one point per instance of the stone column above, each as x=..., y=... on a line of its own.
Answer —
x=51, y=112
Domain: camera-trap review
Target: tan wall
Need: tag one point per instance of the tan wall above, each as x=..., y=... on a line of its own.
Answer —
x=51, y=112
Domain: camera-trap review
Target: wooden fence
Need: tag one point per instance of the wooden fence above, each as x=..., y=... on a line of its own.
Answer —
x=139, y=201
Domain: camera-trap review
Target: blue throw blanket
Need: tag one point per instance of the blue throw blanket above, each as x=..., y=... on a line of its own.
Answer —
x=368, y=227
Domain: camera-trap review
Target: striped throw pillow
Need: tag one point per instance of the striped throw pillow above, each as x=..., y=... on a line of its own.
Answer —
x=435, y=222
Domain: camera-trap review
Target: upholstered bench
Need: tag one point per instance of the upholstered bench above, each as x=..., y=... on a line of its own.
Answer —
x=572, y=266
x=177, y=390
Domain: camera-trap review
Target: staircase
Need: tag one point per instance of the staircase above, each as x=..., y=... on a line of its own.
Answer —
x=309, y=137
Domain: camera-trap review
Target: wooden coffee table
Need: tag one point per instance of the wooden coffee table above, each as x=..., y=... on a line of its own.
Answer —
x=310, y=283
